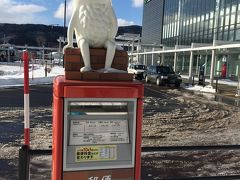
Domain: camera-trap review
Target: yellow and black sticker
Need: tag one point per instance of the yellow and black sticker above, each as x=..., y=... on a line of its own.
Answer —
x=96, y=153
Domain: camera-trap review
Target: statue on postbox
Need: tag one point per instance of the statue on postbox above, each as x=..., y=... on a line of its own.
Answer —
x=95, y=26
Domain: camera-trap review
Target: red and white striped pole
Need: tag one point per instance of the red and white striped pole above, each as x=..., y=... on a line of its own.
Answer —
x=26, y=99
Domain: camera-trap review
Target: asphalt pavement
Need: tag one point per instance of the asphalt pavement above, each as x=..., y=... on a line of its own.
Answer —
x=40, y=95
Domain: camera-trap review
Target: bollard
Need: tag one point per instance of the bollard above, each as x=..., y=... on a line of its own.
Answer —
x=23, y=164
x=24, y=157
x=193, y=78
x=45, y=69
x=26, y=99
x=216, y=84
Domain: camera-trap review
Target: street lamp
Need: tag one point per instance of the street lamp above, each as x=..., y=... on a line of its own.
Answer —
x=64, y=26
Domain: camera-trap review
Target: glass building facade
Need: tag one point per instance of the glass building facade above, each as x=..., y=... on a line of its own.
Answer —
x=182, y=22
x=152, y=20
x=200, y=21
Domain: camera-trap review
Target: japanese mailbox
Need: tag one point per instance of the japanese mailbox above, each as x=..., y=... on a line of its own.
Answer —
x=96, y=130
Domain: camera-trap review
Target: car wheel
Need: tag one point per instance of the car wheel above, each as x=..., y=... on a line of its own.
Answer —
x=146, y=79
x=177, y=85
x=158, y=82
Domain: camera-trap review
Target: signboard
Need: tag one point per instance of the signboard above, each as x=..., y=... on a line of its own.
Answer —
x=96, y=153
x=88, y=132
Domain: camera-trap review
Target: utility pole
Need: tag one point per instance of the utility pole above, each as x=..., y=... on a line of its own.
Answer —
x=214, y=43
x=65, y=17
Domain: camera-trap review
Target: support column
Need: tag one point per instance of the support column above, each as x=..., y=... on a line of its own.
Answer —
x=183, y=63
x=144, y=58
x=197, y=68
x=190, y=66
x=163, y=57
x=218, y=68
x=212, y=67
x=237, y=70
x=153, y=49
x=132, y=50
x=206, y=62
x=138, y=58
x=175, y=60
x=138, y=49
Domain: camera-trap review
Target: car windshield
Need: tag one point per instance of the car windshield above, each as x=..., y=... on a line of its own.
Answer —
x=165, y=70
x=139, y=67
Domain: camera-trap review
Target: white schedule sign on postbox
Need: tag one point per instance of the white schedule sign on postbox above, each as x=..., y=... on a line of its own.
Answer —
x=86, y=132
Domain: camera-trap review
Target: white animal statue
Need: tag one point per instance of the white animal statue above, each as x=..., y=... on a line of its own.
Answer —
x=95, y=25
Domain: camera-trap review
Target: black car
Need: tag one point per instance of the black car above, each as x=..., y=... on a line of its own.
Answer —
x=162, y=75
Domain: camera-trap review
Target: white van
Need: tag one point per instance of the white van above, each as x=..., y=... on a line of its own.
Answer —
x=137, y=70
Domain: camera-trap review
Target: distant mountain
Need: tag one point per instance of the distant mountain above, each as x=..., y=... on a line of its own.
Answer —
x=43, y=35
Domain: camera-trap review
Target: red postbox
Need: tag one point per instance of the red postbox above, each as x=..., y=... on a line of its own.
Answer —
x=96, y=130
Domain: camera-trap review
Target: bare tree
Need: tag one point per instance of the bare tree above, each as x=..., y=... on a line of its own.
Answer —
x=41, y=40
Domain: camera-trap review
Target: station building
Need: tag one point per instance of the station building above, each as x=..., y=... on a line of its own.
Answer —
x=187, y=34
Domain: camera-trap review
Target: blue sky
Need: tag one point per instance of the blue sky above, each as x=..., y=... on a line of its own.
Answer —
x=50, y=12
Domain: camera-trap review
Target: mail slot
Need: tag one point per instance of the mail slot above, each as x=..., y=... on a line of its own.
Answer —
x=96, y=130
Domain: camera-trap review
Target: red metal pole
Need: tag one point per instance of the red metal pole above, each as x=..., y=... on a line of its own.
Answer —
x=26, y=99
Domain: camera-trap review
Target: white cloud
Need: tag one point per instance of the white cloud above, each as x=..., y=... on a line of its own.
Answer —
x=59, y=14
x=20, y=13
x=123, y=22
x=29, y=9
x=137, y=3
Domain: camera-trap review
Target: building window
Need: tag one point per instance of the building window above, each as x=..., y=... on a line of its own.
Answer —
x=238, y=34
x=234, y=8
x=227, y=17
x=221, y=21
x=227, y=10
x=238, y=17
x=233, y=18
x=231, y=35
x=225, y=36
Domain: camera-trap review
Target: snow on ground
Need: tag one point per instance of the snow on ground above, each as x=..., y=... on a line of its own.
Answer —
x=14, y=75
x=208, y=88
x=220, y=81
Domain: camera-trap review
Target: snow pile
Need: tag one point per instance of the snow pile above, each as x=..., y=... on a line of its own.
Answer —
x=220, y=81
x=14, y=75
x=207, y=89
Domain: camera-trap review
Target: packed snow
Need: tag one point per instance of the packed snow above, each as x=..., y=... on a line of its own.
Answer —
x=13, y=75
x=208, y=88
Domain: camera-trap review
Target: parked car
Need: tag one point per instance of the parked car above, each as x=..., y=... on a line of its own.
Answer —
x=145, y=72
x=162, y=75
x=137, y=70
